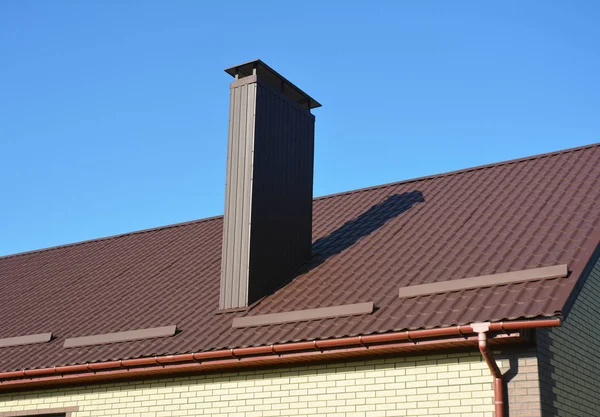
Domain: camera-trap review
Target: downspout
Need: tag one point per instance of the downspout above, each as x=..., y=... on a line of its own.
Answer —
x=481, y=329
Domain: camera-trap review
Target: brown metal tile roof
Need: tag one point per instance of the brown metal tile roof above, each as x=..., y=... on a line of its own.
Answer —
x=510, y=216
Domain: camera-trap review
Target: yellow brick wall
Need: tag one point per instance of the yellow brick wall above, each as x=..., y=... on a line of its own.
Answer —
x=443, y=385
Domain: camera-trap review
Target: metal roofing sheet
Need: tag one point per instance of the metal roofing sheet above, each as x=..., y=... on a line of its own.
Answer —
x=524, y=214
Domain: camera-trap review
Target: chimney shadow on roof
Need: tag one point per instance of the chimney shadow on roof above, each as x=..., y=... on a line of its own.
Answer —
x=350, y=232
x=361, y=226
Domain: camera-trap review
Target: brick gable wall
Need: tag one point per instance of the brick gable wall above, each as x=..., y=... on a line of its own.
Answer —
x=569, y=357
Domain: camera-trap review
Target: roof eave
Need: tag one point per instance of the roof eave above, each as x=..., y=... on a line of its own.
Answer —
x=289, y=353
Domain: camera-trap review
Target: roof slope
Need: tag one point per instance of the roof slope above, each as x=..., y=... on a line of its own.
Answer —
x=510, y=216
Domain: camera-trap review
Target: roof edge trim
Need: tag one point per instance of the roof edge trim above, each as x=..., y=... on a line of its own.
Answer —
x=304, y=315
x=26, y=340
x=536, y=274
x=101, y=339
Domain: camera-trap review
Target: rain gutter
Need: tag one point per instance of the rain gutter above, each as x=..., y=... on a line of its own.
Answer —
x=272, y=354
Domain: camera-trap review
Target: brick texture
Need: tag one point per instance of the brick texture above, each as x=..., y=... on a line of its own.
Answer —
x=438, y=386
x=520, y=369
x=569, y=357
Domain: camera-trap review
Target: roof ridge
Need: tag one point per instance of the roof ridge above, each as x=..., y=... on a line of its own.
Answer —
x=98, y=239
x=357, y=190
x=461, y=171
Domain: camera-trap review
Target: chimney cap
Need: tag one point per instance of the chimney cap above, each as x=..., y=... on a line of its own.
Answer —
x=275, y=80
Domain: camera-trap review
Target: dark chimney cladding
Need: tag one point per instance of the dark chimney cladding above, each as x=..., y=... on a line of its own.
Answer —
x=267, y=228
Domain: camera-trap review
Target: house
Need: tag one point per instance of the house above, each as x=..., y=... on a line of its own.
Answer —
x=469, y=293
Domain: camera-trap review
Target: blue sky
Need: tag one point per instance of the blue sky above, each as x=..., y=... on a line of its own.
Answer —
x=113, y=114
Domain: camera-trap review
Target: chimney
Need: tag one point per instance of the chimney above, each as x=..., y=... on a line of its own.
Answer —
x=267, y=228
